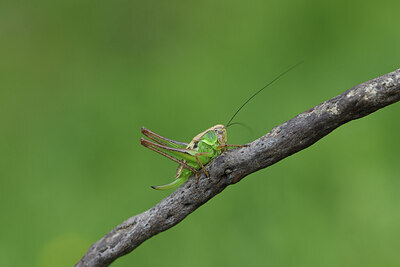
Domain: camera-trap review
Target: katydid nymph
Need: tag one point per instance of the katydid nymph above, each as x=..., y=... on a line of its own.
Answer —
x=193, y=156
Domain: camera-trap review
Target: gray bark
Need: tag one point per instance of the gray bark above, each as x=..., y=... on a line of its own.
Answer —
x=282, y=141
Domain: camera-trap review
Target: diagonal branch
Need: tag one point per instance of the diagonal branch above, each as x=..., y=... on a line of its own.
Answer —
x=282, y=141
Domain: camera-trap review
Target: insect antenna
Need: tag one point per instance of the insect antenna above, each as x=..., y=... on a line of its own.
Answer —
x=243, y=125
x=256, y=93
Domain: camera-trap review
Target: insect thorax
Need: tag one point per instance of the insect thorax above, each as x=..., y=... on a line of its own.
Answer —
x=220, y=132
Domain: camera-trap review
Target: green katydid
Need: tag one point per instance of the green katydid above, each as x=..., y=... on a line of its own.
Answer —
x=193, y=156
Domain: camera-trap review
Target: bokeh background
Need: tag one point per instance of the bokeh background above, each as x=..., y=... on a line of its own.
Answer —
x=79, y=78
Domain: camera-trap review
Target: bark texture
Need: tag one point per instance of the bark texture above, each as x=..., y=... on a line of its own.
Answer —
x=282, y=141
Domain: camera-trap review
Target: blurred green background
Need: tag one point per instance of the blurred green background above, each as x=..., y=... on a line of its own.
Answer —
x=79, y=78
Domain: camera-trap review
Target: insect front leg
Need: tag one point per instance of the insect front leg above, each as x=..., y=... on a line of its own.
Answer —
x=226, y=145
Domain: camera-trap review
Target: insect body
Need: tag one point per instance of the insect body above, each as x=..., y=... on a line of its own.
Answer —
x=192, y=156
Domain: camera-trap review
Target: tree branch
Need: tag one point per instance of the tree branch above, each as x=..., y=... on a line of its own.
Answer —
x=282, y=141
